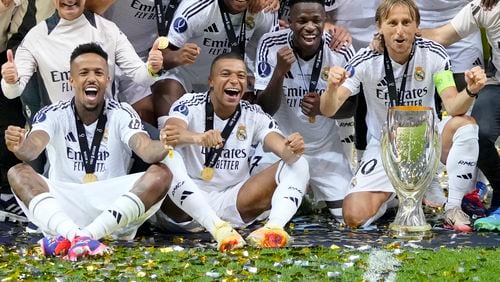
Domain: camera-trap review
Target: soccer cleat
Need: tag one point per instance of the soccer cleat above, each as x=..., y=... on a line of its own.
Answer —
x=227, y=238
x=269, y=236
x=85, y=246
x=457, y=220
x=473, y=206
x=10, y=209
x=54, y=246
x=491, y=222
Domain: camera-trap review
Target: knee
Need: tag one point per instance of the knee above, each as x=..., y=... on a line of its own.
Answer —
x=354, y=214
x=19, y=175
x=459, y=121
x=159, y=180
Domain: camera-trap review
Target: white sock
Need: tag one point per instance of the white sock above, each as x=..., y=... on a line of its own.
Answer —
x=292, y=183
x=346, y=132
x=461, y=164
x=188, y=197
x=49, y=215
x=127, y=208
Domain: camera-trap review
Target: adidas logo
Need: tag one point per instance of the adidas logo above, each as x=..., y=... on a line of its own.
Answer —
x=289, y=75
x=465, y=176
x=184, y=195
x=294, y=200
x=70, y=137
x=211, y=28
x=116, y=215
x=477, y=62
x=348, y=139
x=382, y=83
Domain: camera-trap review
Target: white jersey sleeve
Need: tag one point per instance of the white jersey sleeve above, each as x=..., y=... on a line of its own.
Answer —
x=130, y=122
x=189, y=20
x=47, y=119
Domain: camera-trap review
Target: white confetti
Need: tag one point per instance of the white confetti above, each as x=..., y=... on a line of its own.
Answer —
x=333, y=274
x=213, y=274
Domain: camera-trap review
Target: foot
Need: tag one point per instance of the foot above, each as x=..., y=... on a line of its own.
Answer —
x=54, y=246
x=434, y=196
x=10, y=209
x=227, y=238
x=85, y=246
x=473, y=206
x=269, y=236
x=457, y=220
x=491, y=222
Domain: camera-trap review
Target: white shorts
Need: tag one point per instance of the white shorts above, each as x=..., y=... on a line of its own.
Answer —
x=187, y=80
x=127, y=90
x=371, y=175
x=84, y=202
x=330, y=172
x=223, y=203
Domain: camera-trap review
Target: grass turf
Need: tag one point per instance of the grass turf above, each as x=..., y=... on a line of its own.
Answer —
x=315, y=264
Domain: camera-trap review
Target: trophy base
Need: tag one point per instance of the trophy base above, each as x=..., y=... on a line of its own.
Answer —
x=407, y=232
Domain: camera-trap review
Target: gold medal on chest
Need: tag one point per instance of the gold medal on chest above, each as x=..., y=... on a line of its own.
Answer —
x=207, y=173
x=89, y=177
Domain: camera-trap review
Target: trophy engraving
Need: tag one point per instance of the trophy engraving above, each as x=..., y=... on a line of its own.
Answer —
x=410, y=151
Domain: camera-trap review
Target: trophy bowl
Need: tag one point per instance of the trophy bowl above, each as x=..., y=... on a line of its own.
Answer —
x=410, y=149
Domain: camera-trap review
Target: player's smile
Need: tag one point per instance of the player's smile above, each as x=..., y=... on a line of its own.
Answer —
x=70, y=9
x=307, y=21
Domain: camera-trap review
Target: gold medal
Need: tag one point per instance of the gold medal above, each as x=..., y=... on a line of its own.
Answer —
x=312, y=119
x=250, y=22
x=207, y=173
x=163, y=42
x=324, y=73
x=89, y=177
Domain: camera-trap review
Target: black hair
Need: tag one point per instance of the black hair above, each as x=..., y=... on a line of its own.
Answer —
x=86, y=48
x=230, y=55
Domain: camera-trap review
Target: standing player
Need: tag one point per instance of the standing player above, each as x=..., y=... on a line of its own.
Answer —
x=290, y=78
x=89, y=141
x=47, y=48
x=215, y=132
x=487, y=107
x=200, y=31
x=404, y=75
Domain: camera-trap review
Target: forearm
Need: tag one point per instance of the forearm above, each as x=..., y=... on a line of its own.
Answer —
x=347, y=110
x=269, y=99
x=170, y=59
x=330, y=103
x=460, y=105
x=11, y=91
x=150, y=151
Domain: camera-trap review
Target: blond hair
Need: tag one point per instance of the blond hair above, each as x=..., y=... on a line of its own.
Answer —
x=386, y=6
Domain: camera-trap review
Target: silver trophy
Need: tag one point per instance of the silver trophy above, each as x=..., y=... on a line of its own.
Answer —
x=410, y=150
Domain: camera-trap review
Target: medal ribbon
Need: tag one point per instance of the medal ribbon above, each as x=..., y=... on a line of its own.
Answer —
x=213, y=154
x=163, y=21
x=236, y=45
x=89, y=156
x=318, y=62
x=396, y=99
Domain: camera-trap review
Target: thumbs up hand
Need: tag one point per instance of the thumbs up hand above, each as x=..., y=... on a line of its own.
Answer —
x=155, y=58
x=9, y=70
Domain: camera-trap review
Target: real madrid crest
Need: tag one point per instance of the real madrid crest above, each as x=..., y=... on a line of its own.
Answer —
x=241, y=133
x=250, y=22
x=419, y=74
x=324, y=73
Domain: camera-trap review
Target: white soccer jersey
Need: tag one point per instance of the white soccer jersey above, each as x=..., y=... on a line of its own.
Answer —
x=368, y=68
x=464, y=54
x=321, y=134
x=63, y=150
x=137, y=19
x=355, y=9
x=329, y=5
x=232, y=167
x=472, y=16
x=439, y=10
x=48, y=46
x=200, y=22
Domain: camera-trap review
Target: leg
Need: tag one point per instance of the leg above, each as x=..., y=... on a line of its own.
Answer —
x=460, y=151
x=144, y=108
x=165, y=93
x=362, y=208
x=45, y=211
x=148, y=190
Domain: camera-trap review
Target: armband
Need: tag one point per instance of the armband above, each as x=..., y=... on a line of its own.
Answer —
x=443, y=80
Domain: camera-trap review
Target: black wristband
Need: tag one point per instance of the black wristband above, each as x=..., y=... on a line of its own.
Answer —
x=473, y=95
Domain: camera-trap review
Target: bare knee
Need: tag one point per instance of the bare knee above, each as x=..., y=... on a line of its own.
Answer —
x=458, y=121
x=357, y=212
x=154, y=184
x=25, y=182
